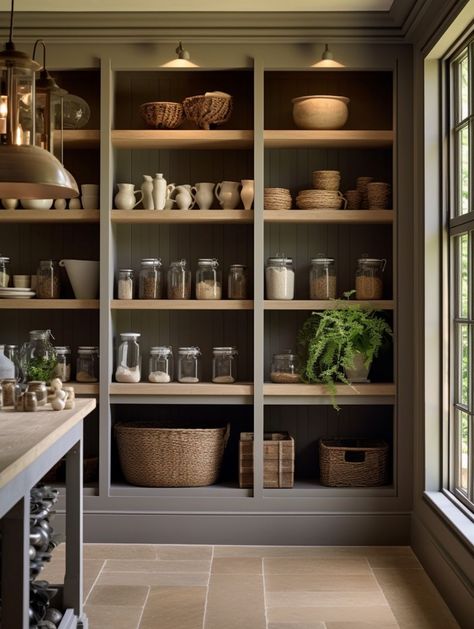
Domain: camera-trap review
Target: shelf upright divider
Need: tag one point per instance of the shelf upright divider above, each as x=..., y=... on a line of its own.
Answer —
x=259, y=288
x=106, y=272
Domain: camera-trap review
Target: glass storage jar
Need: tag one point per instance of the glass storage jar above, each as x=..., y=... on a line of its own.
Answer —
x=189, y=367
x=285, y=368
x=369, y=277
x=63, y=367
x=8, y=391
x=47, y=280
x=179, y=280
x=128, y=358
x=125, y=284
x=322, y=278
x=224, y=365
x=87, y=364
x=150, y=285
x=12, y=352
x=39, y=389
x=237, y=282
x=208, y=279
x=38, y=358
x=4, y=274
x=7, y=366
x=161, y=364
x=280, y=278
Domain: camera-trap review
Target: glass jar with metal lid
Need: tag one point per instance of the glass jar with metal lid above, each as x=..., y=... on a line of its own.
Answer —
x=179, y=280
x=285, y=368
x=161, y=364
x=150, y=284
x=126, y=284
x=87, y=364
x=224, y=365
x=38, y=357
x=322, y=278
x=12, y=352
x=63, y=367
x=40, y=390
x=369, y=277
x=189, y=365
x=237, y=282
x=280, y=277
x=47, y=280
x=4, y=274
x=208, y=279
x=129, y=361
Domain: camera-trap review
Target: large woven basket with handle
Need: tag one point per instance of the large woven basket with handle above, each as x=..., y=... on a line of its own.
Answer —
x=353, y=462
x=155, y=454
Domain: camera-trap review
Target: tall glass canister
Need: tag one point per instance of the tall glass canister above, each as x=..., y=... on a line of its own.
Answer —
x=128, y=358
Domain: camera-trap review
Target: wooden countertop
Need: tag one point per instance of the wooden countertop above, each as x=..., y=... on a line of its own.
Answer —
x=25, y=436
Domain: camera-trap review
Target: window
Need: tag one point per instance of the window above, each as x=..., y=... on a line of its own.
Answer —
x=461, y=255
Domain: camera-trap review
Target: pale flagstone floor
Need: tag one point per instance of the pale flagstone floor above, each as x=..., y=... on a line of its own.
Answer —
x=255, y=587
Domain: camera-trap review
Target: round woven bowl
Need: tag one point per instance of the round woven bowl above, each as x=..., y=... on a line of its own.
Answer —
x=162, y=115
x=320, y=199
x=326, y=179
x=320, y=112
x=206, y=111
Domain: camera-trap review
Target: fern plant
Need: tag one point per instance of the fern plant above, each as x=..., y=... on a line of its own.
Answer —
x=330, y=340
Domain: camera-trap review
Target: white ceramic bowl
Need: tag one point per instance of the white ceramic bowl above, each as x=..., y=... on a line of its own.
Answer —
x=320, y=112
x=36, y=204
x=22, y=281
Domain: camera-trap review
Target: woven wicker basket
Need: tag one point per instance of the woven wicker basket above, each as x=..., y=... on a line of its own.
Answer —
x=153, y=454
x=162, y=115
x=353, y=462
x=320, y=199
x=207, y=110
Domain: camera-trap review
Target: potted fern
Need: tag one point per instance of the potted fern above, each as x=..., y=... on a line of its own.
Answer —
x=339, y=345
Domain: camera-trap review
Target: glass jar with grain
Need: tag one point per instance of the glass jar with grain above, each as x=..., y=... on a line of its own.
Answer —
x=63, y=367
x=150, y=281
x=129, y=360
x=87, y=364
x=280, y=277
x=189, y=365
x=322, y=278
x=4, y=274
x=179, y=280
x=224, y=365
x=208, y=279
x=237, y=282
x=126, y=284
x=47, y=280
x=161, y=364
x=285, y=368
x=369, y=277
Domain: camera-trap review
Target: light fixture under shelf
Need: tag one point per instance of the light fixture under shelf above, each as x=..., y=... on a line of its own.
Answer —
x=183, y=59
x=327, y=60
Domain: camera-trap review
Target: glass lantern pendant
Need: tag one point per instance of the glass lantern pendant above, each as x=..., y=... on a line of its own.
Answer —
x=26, y=171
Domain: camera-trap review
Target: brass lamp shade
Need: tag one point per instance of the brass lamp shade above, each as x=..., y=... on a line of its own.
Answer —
x=28, y=172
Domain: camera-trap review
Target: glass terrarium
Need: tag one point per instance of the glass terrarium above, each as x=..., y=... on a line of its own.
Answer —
x=38, y=357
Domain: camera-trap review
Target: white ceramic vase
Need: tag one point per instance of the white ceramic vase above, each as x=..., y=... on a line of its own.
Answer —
x=203, y=195
x=247, y=193
x=160, y=191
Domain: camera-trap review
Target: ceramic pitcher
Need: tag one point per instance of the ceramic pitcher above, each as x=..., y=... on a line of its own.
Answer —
x=184, y=197
x=204, y=195
x=228, y=194
x=125, y=197
x=170, y=190
x=247, y=193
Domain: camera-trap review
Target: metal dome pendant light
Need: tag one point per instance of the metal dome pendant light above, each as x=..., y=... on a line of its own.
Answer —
x=183, y=59
x=26, y=171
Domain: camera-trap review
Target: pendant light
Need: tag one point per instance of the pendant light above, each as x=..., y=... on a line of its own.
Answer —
x=26, y=171
x=183, y=60
x=327, y=60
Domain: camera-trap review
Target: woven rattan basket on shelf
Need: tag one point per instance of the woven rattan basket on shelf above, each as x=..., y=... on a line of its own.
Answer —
x=162, y=115
x=353, y=462
x=208, y=110
x=153, y=454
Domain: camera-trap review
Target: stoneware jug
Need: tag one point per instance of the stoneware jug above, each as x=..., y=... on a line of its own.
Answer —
x=203, y=195
x=160, y=191
x=147, y=191
x=228, y=194
x=247, y=193
x=125, y=197
x=184, y=197
x=170, y=190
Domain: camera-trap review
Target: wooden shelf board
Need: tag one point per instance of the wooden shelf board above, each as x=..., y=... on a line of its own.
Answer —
x=276, y=138
x=84, y=388
x=219, y=490
x=171, y=217
x=182, y=139
x=329, y=216
x=342, y=390
x=314, y=304
x=49, y=216
x=49, y=304
x=309, y=488
x=81, y=138
x=178, y=389
x=181, y=304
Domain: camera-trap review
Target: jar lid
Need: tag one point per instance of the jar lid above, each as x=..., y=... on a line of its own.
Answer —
x=39, y=334
x=63, y=349
x=125, y=270
x=179, y=263
x=288, y=353
x=280, y=259
x=238, y=266
x=4, y=259
x=151, y=262
x=225, y=350
x=37, y=382
x=87, y=349
x=10, y=346
x=189, y=350
x=126, y=336
x=161, y=349
x=46, y=261
x=321, y=258
x=208, y=262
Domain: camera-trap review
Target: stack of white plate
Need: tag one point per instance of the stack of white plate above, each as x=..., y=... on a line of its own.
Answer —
x=16, y=293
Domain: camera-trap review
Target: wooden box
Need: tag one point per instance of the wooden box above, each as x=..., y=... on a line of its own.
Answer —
x=278, y=460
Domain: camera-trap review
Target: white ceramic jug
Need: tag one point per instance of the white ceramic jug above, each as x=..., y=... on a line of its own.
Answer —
x=247, y=193
x=228, y=194
x=170, y=190
x=147, y=191
x=204, y=195
x=184, y=197
x=125, y=197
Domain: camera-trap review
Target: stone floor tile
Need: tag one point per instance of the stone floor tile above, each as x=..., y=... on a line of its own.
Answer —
x=188, y=551
x=297, y=625
x=362, y=625
x=131, y=595
x=320, y=583
x=123, y=617
x=235, y=602
x=379, y=614
x=180, y=579
x=173, y=608
x=325, y=599
x=316, y=565
x=395, y=563
x=236, y=565
x=119, y=551
x=167, y=565
x=311, y=551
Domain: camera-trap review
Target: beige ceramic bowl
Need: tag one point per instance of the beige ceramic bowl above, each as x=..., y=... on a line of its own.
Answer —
x=22, y=281
x=320, y=112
